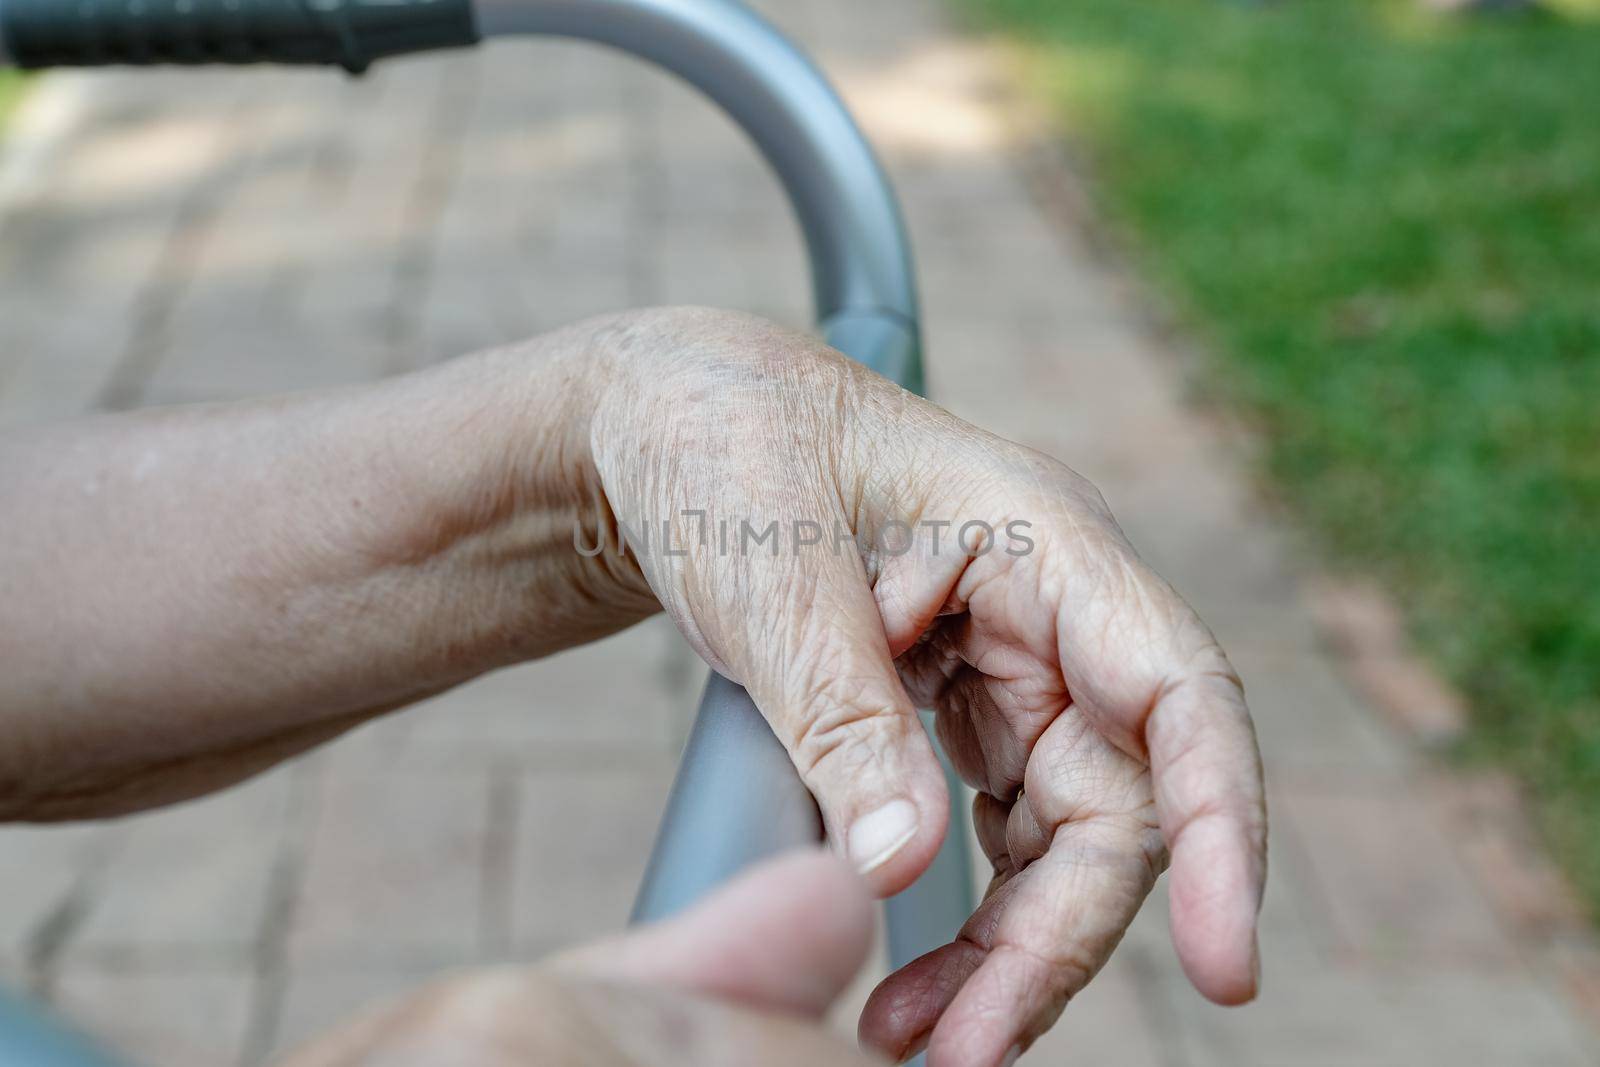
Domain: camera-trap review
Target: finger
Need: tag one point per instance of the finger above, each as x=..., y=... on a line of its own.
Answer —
x=984, y=746
x=989, y=818
x=1075, y=775
x=914, y=586
x=786, y=936
x=647, y=1028
x=1207, y=773
x=899, y=1017
x=518, y=1016
x=619, y=1026
x=830, y=690
x=993, y=697
x=1026, y=838
x=964, y=747
x=1061, y=919
x=1084, y=837
x=1145, y=669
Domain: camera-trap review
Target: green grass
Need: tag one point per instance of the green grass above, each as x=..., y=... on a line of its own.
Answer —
x=11, y=84
x=1386, y=227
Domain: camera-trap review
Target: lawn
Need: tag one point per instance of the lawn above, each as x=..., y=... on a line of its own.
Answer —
x=10, y=91
x=1385, y=226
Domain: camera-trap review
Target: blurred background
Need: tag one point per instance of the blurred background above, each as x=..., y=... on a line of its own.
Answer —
x=1309, y=288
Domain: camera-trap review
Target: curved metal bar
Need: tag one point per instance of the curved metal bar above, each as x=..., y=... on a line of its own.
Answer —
x=737, y=798
x=736, y=801
x=859, y=253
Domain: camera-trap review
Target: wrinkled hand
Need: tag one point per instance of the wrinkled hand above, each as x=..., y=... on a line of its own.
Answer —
x=1086, y=702
x=742, y=978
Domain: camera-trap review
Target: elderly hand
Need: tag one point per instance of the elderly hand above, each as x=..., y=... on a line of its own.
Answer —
x=194, y=594
x=1092, y=710
x=743, y=978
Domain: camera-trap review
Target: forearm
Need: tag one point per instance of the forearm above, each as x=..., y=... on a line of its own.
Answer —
x=189, y=594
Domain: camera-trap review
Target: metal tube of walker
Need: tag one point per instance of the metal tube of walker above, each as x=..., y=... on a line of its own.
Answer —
x=737, y=798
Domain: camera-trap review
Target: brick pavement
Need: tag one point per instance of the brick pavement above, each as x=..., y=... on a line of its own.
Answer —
x=188, y=236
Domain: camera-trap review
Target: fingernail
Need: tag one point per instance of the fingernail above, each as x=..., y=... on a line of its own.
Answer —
x=875, y=837
x=1011, y=1056
x=1255, y=964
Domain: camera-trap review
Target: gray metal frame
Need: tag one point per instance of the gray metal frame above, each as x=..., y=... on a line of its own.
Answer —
x=737, y=797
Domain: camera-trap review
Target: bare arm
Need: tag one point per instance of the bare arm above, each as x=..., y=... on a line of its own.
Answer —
x=189, y=595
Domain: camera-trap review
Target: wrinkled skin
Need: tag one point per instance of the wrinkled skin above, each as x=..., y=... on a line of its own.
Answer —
x=743, y=978
x=192, y=595
x=1086, y=702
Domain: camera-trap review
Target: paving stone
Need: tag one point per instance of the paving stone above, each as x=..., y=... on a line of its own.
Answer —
x=49, y=874
x=1202, y=531
x=187, y=1016
x=1295, y=923
x=1307, y=718
x=582, y=837
x=1415, y=696
x=394, y=869
x=321, y=996
x=1111, y=1021
x=1331, y=1016
x=79, y=262
x=1491, y=817
x=763, y=277
x=973, y=355
x=1577, y=962
x=1393, y=885
x=506, y=267
x=191, y=881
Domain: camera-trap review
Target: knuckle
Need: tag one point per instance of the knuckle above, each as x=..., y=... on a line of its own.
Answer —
x=1210, y=664
x=1204, y=676
x=1065, y=968
x=842, y=727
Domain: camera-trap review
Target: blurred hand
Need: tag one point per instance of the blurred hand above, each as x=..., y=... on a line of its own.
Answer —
x=743, y=978
x=1092, y=710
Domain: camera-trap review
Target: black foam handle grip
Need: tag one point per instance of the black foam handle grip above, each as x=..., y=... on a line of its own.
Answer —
x=349, y=33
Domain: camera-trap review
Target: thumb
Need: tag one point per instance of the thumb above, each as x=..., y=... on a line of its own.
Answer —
x=830, y=690
x=785, y=936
